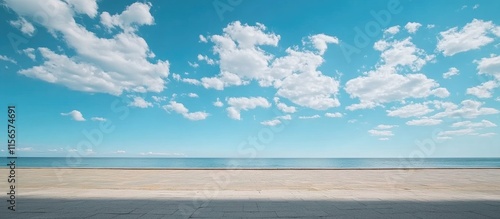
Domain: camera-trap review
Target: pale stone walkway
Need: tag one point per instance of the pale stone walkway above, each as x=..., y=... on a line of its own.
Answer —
x=439, y=193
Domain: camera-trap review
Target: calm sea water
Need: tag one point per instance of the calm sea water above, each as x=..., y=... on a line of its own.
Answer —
x=57, y=162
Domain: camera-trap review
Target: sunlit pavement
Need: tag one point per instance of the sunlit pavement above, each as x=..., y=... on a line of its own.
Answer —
x=105, y=193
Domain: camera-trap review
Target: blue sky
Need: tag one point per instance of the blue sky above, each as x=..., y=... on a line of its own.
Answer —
x=252, y=78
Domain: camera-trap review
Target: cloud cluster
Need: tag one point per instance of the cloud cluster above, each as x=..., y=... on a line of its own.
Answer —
x=24, y=26
x=181, y=109
x=421, y=112
x=467, y=109
x=467, y=128
x=295, y=75
x=7, y=59
x=489, y=66
x=410, y=110
x=134, y=15
x=75, y=115
x=424, y=122
x=237, y=104
x=485, y=90
x=386, y=84
x=283, y=107
x=333, y=115
x=412, y=27
x=383, y=131
x=473, y=35
x=105, y=65
x=140, y=103
x=120, y=61
x=451, y=72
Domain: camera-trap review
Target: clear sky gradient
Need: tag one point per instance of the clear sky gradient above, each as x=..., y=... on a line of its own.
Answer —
x=191, y=78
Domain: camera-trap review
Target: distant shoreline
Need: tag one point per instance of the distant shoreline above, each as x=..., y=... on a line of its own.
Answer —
x=254, y=163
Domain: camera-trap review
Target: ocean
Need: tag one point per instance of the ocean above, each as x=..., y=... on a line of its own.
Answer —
x=251, y=163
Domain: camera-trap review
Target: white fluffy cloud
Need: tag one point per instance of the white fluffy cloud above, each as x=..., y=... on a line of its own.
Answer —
x=273, y=122
x=192, y=81
x=159, y=99
x=489, y=66
x=237, y=104
x=196, y=116
x=467, y=128
x=134, y=15
x=30, y=52
x=218, y=103
x=333, y=115
x=5, y=58
x=410, y=110
x=468, y=124
x=303, y=84
x=382, y=126
x=385, y=84
x=286, y=109
x=402, y=53
x=321, y=41
x=98, y=119
x=412, y=27
x=382, y=130
x=176, y=76
x=459, y=132
x=61, y=69
x=193, y=95
x=310, y=117
x=472, y=36
x=203, y=39
x=484, y=90
x=106, y=65
x=424, y=122
x=206, y=59
x=181, y=109
x=224, y=79
x=375, y=132
x=240, y=55
x=283, y=107
x=378, y=88
x=75, y=115
x=468, y=109
x=193, y=64
x=24, y=26
x=451, y=72
x=392, y=30
x=285, y=117
x=140, y=102
x=276, y=121
x=312, y=90
x=88, y=7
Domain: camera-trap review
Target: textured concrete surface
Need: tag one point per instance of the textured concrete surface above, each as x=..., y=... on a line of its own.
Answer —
x=113, y=193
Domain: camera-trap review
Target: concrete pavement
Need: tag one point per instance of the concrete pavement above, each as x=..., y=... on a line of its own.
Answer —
x=107, y=193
